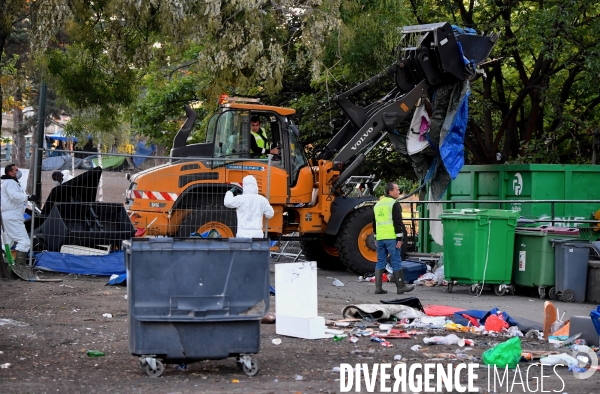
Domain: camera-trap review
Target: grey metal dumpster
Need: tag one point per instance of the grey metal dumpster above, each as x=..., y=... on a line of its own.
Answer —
x=571, y=266
x=592, y=293
x=193, y=299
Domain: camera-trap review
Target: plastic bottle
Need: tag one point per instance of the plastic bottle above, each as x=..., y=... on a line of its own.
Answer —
x=440, y=340
x=563, y=359
x=95, y=353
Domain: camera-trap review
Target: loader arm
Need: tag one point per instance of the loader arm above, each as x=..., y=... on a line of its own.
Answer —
x=429, y=56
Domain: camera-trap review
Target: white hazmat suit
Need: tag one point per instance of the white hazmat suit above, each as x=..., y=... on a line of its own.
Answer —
x=250, y=208
x=13, y=208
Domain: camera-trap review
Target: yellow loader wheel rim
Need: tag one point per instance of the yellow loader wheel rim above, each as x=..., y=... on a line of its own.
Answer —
x=222, y=228
x=364, y=249
x=330, y=250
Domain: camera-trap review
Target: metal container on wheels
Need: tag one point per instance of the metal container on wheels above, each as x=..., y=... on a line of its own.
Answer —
x=534, y=255
x=478, y=248
x=193, y=299
x=571, y=265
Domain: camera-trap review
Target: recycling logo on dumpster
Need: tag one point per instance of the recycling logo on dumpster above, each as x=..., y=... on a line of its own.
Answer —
x=518, y=184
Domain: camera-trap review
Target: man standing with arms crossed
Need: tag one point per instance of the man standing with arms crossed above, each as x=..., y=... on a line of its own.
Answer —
x=389, y=231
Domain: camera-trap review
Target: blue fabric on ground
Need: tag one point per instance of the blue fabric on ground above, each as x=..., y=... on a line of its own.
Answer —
x=118, y=280
x=481, y=316
x=595, y=315
x=104, y=265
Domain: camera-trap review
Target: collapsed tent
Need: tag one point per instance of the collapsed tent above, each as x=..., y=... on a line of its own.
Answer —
x=71, y=216
x=435, y=140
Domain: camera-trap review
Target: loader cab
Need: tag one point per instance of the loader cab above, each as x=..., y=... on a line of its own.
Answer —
x=230, y=133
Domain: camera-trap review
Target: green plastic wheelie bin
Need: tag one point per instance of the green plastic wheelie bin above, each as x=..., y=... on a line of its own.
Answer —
x=478, y=248
x=533, y=264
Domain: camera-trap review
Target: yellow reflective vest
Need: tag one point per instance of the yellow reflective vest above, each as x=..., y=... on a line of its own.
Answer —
x=383, y=219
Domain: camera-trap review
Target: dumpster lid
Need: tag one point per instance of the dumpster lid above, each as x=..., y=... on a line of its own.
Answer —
x=500, y=213
x=578, y=243
x=560, y=230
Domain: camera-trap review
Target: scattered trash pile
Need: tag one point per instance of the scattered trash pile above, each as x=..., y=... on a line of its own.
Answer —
x=486, y=337
x=415, y=272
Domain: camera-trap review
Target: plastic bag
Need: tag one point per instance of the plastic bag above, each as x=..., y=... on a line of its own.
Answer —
x=495, y=323
x=503, y=354
x=440, y=340
x=563, y=359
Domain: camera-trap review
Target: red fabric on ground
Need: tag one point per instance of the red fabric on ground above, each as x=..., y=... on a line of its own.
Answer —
x=441, y=310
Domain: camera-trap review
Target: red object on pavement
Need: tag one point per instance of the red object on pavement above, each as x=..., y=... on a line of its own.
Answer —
x=441, y=310
x=473, y=320
x=393, y=334
x=495, y=323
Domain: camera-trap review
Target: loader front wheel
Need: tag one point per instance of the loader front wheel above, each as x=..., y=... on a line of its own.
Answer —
x=324, y=252
x=219, y=218
x=356, y=242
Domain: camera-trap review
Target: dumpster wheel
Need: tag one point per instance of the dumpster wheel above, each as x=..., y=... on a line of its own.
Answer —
x=248, y=364
x=152, y=366
x=542, y=292
x=500, y=290
x=475, y=289
x=568, y=296
x=552, y=294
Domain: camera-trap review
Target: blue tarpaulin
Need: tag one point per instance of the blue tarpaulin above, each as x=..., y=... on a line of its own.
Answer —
x=452, y=149
x=60, y=136
x=103, y=265
x=142, y=150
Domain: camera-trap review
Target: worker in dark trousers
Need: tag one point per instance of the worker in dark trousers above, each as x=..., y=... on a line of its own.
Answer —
x=389, y=233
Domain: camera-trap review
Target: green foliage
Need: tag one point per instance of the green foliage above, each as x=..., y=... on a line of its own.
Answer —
x=133, y=65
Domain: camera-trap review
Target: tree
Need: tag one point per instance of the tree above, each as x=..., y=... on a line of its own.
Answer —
x=539, y=100
x=13, y=84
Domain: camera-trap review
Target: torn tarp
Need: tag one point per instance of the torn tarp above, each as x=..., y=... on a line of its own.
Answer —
x=380, y=312
x=443, y=158
x=105, y=265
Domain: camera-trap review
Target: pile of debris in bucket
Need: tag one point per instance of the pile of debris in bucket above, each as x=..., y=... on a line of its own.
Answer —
x=500, y=339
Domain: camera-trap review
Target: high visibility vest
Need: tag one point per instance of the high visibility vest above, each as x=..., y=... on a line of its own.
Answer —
x=260, y=140
x=383, y=219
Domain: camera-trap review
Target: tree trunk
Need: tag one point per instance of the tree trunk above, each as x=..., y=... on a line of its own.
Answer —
x=17, y=152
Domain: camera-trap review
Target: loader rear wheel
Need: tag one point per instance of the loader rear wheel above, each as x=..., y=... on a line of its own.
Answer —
x=208, y=218
x=323, y=252
x=356, y=242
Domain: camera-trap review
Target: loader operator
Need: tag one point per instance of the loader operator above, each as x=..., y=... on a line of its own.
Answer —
x=258, y=143
x=250, y=208
x=389, y=230
x=13, y=208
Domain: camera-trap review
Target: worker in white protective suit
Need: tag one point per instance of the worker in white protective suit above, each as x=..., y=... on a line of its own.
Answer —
x=13, y=208
x=250, y=208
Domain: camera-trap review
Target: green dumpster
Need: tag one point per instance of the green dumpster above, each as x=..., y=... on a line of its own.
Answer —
x=523, y=182
x=478, y=247
x=534, y=255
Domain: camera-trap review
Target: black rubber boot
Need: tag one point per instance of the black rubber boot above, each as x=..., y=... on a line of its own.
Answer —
x=378, y=282
x=401, y=286
x=21, y=258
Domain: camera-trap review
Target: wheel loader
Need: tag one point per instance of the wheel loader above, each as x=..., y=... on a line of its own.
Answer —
x=185, y=196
